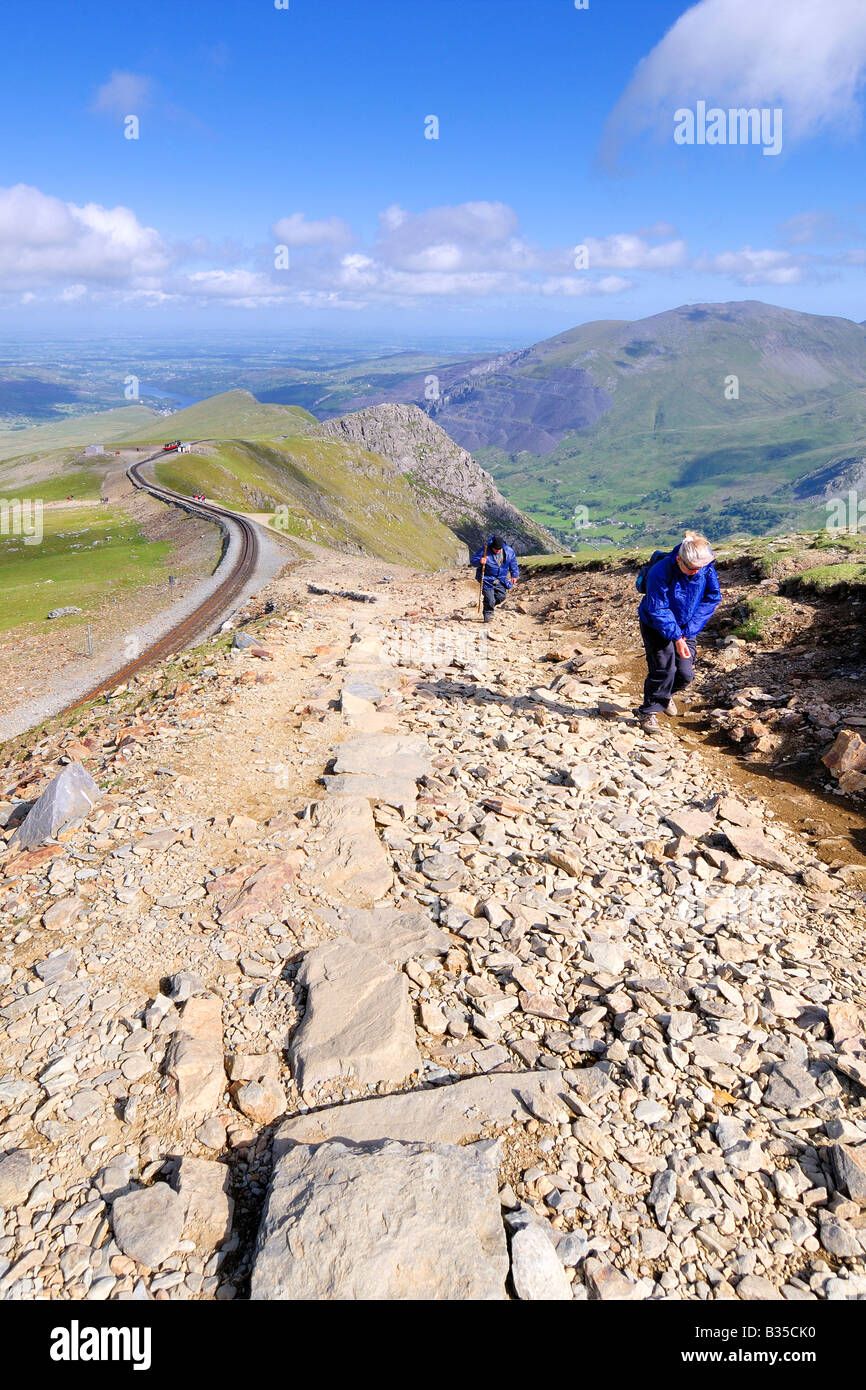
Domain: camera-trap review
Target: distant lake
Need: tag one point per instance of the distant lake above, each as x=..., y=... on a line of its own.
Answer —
x=145, y=389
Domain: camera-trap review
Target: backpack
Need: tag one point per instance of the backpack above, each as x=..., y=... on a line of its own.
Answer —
x=640, y=581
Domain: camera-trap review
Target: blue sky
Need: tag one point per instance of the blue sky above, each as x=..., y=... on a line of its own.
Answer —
x=304, y=128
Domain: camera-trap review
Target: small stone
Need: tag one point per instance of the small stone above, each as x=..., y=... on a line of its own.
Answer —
x=607, y=1283
x=542, y=1006
x=849, y=1163
x=60, y=965
x=211, y=1133
x=60, y=916
x=692, y=825
x=681, y=1025
x=261, y=1102
x=184, y=985
x=571, y=1250
x=18, y=1175
x=663, y=1194
x=195, y=1058
x=148, y=1223
x=203, y=1187
x=755, y=1288
x=649, y=1112
x=753, y=844
x=791, y=1088
x=69, y=796
x=432, y=1018
x=605, y=955
x=115, y=1177
x=536, y=1270
x=135, y=1067
x=838, y=1238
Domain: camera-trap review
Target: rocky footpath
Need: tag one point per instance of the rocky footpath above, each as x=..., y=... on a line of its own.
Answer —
x=394, y=961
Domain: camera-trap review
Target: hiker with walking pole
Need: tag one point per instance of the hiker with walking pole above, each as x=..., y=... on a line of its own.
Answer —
x=496, y=571
x=681, y=593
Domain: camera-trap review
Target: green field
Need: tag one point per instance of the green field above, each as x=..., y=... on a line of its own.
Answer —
x=82, y=483
x=87, y=555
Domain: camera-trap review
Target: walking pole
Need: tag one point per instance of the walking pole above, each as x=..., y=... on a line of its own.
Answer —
x=481, y=585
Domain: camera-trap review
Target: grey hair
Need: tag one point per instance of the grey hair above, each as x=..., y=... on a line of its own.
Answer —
x=695, y=551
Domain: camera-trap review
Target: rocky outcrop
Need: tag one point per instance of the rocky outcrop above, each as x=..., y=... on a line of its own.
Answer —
x=445, y=477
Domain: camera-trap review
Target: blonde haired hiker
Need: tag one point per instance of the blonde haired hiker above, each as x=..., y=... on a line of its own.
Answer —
x=681, y=593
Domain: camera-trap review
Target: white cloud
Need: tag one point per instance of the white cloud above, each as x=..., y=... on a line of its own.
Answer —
x=124, y=94
x=45, y=241
x=627, y=252
x=748, y=267
x=469, y=236
x=231, y=284
x=297, y=231
x=76, y=254
x=806, y=57
x=579, y=286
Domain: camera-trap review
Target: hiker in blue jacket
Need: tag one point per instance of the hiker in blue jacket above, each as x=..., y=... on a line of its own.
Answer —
x=496, y=571
x=682, y=593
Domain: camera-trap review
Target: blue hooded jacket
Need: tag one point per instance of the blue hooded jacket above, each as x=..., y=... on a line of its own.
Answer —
x=676, y=604
x=506, y=573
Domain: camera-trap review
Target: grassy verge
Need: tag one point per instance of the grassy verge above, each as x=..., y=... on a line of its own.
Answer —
x=829, y=579
x=587, y=559
x=839, y=540
x=757, y=615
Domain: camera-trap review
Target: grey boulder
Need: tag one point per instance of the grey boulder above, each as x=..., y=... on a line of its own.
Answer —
x=382, y=1221
x=69, y=796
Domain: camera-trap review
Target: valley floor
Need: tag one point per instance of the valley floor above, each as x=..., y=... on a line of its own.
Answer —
x=555, y=1000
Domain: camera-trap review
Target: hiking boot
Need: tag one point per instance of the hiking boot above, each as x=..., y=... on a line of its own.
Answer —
x=671, y=708
x=648, y=723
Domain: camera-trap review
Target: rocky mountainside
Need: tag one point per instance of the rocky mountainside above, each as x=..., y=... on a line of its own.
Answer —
x=391, y=939
x=446, y=478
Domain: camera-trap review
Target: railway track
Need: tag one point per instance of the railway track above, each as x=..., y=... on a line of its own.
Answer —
x=206, y=616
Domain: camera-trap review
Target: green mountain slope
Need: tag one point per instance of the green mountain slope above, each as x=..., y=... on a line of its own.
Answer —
x=320, y=490
x=231, y=415
x=642, y=425
x=102, y=427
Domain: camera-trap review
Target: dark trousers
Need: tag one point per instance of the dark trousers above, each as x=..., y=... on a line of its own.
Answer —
x=493, y=594
x=667, y=672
